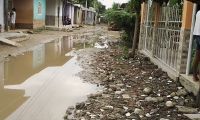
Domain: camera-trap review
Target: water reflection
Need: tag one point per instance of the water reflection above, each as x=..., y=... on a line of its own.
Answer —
x=15, y=70
x=31, y=90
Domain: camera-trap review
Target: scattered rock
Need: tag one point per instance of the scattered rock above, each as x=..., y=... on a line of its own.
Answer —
x=160, y=99
x=128, y=114
x=80, y=105
x=138, y=111
x=108, y=107
x=184, y=109
x=126, y=96
x=118, y=92
x=163, y=119
x=176, y=97
x=169, y=104
x=172, y=94
x=147, y=90
x=151, y=99
x=148, y=115
x=181, y=92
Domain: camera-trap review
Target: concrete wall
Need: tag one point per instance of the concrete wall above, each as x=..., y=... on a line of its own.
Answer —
x=51, y=9
x=77, y=15
x=90, y=18
x=2, y=14
x=24, y=13
x=39, y=13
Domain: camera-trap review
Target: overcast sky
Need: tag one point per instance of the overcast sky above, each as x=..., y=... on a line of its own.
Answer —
x=108, y=3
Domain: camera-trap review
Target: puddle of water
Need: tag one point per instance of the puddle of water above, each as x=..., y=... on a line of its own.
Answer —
x=31, y=90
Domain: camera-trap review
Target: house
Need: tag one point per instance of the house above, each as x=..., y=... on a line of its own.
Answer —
x=90, y=16
x=78, y=14
x=30, y=14
x=57, y=11
x=166, y=38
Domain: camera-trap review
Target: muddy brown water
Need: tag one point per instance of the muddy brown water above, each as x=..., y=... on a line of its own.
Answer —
x=42, y=82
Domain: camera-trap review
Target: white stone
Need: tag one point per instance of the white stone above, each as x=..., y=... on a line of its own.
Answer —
x=128, y=114
x=169, y=96
x=101, y=110
x=180, y=88
x=151, y=99
x=92, y=116
x=176, y=97
x=193, y=116
x=184, y=109
x=83, y=118
x=147, y=90
x=150, y=78
x=138, y=111
x=143, y=95
x=118, y=92
x=163, y=119
x=125, y=108
x=148, y=115
x=169, y=104
x=126, y=96
x=108, y=107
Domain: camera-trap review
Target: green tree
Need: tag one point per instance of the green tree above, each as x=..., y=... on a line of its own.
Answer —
x=115, y=6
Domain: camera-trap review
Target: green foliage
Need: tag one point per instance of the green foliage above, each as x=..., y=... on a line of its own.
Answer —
x=115, y=6
x=175, y=2
x=123, y=20
x=99, y=7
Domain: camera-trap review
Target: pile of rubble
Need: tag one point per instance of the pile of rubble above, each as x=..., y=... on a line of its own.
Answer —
x=133, y=89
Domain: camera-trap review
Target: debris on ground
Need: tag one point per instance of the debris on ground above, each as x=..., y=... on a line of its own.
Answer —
x=133, y=89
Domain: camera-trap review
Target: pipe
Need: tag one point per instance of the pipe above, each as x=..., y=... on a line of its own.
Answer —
x=191, y=39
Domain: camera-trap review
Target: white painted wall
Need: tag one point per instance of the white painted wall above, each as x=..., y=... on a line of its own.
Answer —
x=2, y=14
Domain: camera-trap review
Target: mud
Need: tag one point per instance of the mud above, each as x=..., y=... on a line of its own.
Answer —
x=40, y=82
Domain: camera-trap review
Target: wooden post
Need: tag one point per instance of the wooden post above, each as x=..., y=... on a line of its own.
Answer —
x=157, y=15
x=6, y=14
x=143, y=19
x=184, y=36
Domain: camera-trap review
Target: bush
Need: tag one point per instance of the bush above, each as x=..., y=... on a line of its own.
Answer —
x=124, y=21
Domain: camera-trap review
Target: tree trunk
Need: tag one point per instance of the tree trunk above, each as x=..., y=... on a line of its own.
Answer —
x=136, y=34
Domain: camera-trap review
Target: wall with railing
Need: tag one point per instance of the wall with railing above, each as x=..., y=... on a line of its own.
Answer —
x=160, y=33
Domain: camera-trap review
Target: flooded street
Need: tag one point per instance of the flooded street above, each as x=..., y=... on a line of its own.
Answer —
x=42, y=82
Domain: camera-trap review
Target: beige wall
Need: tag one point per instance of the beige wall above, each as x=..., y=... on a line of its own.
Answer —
x=24, y=11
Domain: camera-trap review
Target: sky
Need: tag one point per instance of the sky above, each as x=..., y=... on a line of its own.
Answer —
x=108, y=3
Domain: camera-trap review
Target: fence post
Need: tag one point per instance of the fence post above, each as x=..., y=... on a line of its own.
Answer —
x=143, y=19
x=157, y=15
x=184, y=37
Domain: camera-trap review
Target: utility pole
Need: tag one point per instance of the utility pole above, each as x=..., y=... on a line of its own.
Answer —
x=6, y=14
x=58, y=13
x=86, y=12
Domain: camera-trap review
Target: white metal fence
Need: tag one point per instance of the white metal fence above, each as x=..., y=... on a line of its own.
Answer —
x=162, y=39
